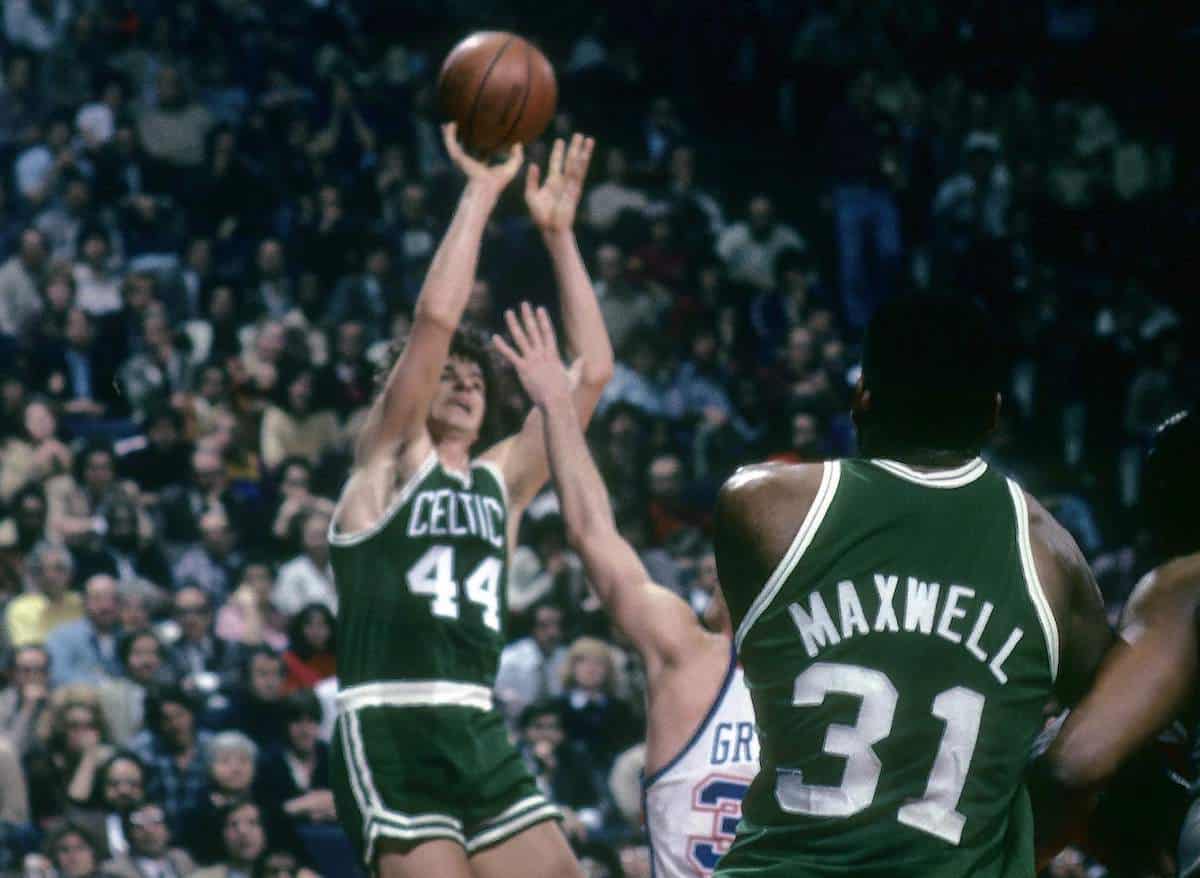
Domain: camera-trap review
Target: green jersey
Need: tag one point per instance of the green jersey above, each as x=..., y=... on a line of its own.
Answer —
x=899, y=659
x=421, y=595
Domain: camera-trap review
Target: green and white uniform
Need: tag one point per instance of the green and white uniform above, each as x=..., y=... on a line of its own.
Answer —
x=899, y=659
x=419, y=752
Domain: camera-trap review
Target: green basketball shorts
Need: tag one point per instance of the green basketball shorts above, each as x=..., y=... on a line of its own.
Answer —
x=416, y=760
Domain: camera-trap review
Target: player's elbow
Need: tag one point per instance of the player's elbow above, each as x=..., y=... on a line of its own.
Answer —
x=435, y=316
x=595, y=371
x=1076, y=766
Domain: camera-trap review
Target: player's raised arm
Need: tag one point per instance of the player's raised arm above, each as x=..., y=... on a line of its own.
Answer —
x=395, y=424
x=552, y=204
x=657, y=621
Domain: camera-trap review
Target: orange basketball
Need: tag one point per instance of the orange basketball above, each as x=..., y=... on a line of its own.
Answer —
x=499, y=88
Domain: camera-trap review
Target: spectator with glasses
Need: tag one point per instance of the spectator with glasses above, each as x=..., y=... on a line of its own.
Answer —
x=202, y=662
x=151, y=852
x=24, y=698
x=72, y=744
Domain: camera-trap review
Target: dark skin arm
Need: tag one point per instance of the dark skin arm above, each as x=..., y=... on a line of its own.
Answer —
x=1145, y=681
x=1083, y=631
x=750, y=533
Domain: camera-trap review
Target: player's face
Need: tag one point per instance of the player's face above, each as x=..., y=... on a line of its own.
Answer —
x=459, y=404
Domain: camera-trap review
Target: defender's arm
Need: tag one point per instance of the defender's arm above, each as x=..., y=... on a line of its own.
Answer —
x=656, y=620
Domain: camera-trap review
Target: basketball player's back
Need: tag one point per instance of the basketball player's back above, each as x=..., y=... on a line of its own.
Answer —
x=899, y=658
x=899, y=619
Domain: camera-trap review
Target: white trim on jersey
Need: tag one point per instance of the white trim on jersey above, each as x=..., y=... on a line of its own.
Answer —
x=943, y=478
x=1033, y=584
x=830, y=476
x=415, y=693
x=497, y=474
x=353, y=539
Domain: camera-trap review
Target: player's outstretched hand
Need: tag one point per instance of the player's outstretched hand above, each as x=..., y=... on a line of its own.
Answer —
x=552, y=204
x=534, y=354
x=492, y=178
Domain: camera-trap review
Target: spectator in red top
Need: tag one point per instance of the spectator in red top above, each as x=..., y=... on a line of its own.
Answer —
x=310, y=656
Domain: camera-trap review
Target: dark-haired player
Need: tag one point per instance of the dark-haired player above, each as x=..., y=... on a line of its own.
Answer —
x=1149, y=676
x=903, y=618
x=425, y=779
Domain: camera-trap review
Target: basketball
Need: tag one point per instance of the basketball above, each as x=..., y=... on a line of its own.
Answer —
x=499, y=88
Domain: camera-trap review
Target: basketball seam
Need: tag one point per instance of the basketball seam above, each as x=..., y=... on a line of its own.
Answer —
x=524, y=98
x=479, y=91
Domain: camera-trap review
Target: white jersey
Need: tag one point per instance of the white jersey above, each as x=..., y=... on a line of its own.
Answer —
x=694, y=802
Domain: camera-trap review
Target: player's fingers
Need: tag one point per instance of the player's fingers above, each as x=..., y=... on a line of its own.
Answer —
x=450, y=138
x=532, y=177
x=547, y=328
x=530, y=325
x=555, y=166
x=515, y=330
x=589, y=145
x=516, y=156
x=573, y=154
x=506, y=351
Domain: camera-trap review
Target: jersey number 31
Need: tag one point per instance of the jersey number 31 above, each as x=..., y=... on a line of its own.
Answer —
x=433, y=575
x=935, y=812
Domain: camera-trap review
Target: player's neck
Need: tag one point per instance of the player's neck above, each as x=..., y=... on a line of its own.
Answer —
x=919, y=458
x=455, y=452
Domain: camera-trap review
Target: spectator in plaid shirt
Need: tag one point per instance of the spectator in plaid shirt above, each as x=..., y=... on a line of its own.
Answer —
x=175, y=752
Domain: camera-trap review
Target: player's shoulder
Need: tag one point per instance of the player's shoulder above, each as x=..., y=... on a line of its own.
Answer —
x=1176, y=580
x=758, y=512
x=1050, y=538
x=758, y=485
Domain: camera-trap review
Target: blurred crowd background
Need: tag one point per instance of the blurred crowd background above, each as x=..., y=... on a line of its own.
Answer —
x=215, y=214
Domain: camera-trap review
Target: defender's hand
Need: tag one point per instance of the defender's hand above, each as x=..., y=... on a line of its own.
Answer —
x=490, y=178
x=552, y=205
x=536, y=356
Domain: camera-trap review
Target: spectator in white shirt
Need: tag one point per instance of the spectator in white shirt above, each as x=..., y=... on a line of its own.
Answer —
x=605, y=202
x=307, y=578
x=97, y=288
x=532, y=668
x=749, y=248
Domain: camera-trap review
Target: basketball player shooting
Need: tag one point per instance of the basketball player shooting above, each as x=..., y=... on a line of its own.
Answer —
x=425, y=779
x=701, y=749
x=903, y=619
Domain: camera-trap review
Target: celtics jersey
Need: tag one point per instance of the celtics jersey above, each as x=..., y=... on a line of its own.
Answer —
x=421, y=594
x=899, y=659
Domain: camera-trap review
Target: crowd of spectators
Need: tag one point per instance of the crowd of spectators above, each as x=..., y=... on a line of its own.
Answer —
x=216, y=214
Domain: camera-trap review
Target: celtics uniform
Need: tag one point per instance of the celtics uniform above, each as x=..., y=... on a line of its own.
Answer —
x=418, y=751
x=899, y=659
